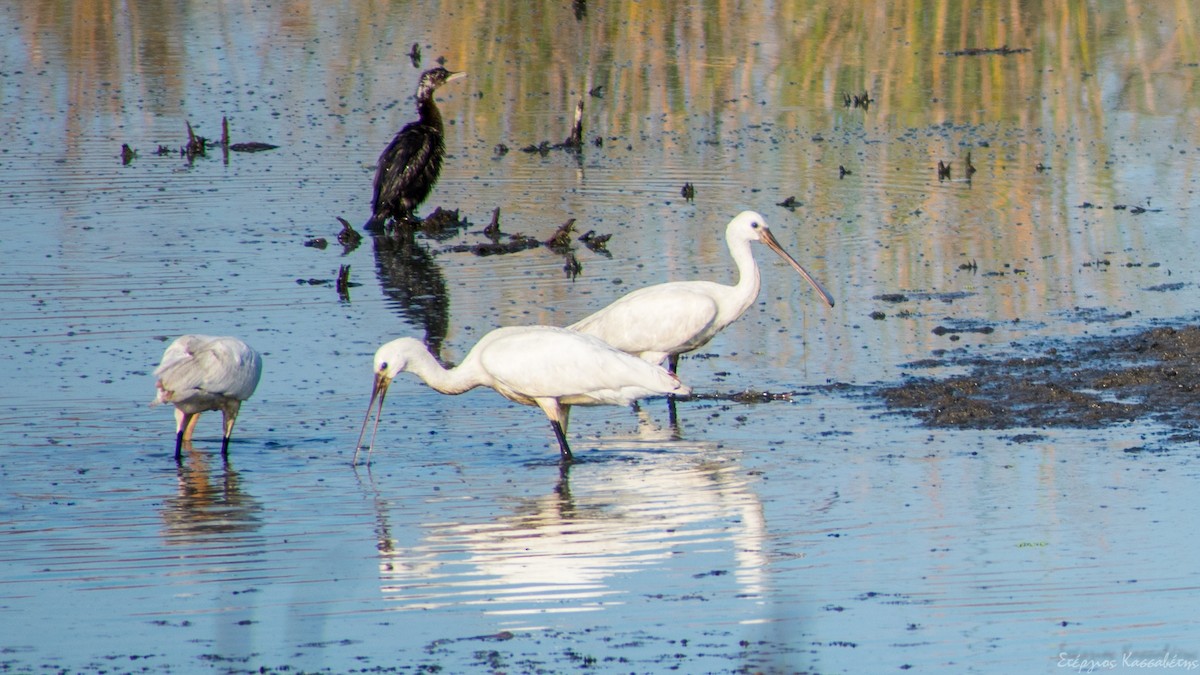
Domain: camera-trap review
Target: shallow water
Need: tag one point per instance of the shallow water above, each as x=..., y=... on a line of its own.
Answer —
x=816, y=533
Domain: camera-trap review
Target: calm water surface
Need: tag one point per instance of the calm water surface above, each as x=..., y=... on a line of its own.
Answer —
x=810, y=534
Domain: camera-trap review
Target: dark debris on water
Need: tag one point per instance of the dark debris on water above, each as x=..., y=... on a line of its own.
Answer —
x=1152, y=374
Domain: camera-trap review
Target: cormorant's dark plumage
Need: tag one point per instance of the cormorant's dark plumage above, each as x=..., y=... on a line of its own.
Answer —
x=410, y=164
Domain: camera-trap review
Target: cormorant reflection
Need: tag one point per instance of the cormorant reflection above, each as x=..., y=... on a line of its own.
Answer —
x=411, y=278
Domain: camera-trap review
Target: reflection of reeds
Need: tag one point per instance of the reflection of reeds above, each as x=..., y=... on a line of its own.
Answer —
x=789, y=55
x=672, y=74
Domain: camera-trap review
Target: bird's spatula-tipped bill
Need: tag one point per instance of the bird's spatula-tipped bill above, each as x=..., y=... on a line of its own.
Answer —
x=773, y=244
x=378, y=390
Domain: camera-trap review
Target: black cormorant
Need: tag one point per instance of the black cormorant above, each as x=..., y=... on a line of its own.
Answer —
x=410, y=164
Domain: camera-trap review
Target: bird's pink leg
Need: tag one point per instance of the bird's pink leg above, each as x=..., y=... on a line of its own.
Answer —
x=229, y=413
x=184, y=424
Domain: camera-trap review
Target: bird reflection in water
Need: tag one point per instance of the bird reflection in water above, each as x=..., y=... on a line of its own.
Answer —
x=591, y=541
x=208, y=504
x=414, y=283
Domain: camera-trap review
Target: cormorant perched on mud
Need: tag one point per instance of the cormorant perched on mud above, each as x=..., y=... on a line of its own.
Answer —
x=410, y=164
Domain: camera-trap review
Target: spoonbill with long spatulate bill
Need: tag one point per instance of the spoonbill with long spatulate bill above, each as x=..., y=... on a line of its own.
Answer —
x=199, y=373
x=551, y=368
x=663, y=321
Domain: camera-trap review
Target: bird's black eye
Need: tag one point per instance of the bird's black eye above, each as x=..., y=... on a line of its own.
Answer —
x=383, y=366
x=755, y=224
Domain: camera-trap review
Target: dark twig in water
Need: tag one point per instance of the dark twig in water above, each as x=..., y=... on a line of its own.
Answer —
x=196, y=145
x=943, y=170
x=561, y=240
x=443, y=223
x=127, y=153
x=571, y=265
x=225, y=138
x=349, y=238
x=414, y=55
x=252, y=146
x=492, y=231
x=863, y=100
x=573, y=142
x=542, y=148
x=575, y=138
x=979, y=51
x=688, y=191
x=343, y=282
x=596, y=242
x=515, y=244
x=748, y=396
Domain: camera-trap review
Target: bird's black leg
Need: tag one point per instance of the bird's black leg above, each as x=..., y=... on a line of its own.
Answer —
x=672, y=366
x=225, y=448
x=179, y=445
x=565, y=449
x=564, y=485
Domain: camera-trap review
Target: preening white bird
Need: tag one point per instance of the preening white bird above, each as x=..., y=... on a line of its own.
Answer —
x=199, y=373
x=663, y=321
x=551, y=368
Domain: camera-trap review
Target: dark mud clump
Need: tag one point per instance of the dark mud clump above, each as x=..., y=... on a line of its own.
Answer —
x=1090, y=383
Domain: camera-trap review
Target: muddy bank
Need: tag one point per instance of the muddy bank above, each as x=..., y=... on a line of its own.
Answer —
x=1090, y=383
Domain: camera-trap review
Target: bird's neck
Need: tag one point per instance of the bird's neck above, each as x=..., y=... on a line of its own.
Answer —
x=429, y=113
x=447, y=381
x=749, y=280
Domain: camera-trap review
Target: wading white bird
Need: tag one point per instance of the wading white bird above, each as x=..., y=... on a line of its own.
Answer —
x=200, y=373
x=663, y=321
x=551, y=368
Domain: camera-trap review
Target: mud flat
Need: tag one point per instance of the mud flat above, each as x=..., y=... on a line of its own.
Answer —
x=1088, y=383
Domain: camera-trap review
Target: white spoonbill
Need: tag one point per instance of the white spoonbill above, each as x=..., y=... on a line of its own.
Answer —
x=663, y=321
x=200, y=373
x=552, y=368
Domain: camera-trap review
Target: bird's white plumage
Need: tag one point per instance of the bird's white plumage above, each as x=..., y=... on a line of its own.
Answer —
x=199, y=373
x=552, y=368
x=525, y=364
x=203, y=366
x=669, y=319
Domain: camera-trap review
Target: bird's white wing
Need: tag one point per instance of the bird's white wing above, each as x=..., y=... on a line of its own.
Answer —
x=557, y=363
x=179, y=350
x=665, y=318
x=223, y=366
